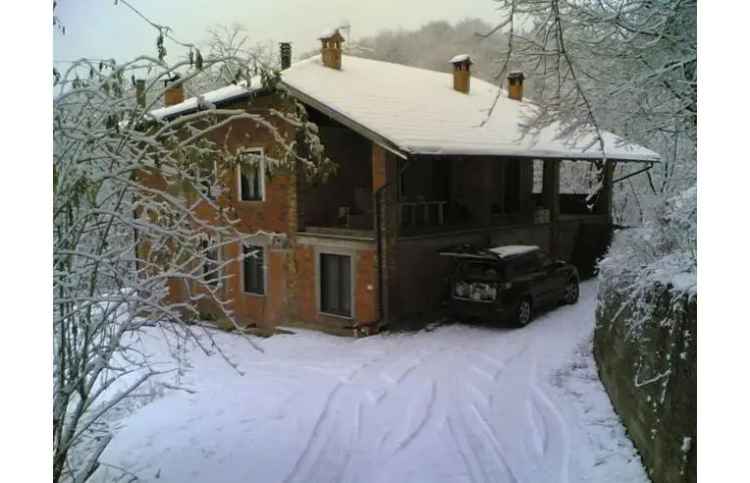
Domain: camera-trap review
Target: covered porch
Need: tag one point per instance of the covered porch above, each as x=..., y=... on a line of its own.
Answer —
x=445, y=194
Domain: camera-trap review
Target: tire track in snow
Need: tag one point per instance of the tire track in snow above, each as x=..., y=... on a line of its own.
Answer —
x=539, y=430
x=490, y=376
x=426, y=415
x=542, y=396
x=401, y=374
x=485, y=398
x=496, y=446
x=314, y=436
x=469, y=458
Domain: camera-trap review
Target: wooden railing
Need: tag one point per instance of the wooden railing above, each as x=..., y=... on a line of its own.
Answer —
x=422, y=213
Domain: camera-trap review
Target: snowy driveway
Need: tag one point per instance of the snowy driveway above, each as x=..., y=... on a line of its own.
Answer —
x=455, y=404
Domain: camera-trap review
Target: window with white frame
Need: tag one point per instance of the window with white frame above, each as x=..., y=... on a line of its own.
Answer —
x=251, y=175
x=253, y=270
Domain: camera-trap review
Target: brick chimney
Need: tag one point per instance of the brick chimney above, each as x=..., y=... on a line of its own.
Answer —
x=330, y=49
x=515, y=85
x=174, y=93
x=461, y=73
x=285, y=54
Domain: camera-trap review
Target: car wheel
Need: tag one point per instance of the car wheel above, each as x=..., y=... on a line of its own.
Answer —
x=523, y=312
x=571, y=292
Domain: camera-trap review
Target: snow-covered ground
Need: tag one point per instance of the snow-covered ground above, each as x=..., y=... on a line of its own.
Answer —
x=457, y=403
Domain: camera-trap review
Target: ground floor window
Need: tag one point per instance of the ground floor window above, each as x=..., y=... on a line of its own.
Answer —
x=335, y=284
x=253, y=276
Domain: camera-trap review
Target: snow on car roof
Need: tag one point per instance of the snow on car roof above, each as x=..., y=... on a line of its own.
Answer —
x=418, y=111
x=512, y=250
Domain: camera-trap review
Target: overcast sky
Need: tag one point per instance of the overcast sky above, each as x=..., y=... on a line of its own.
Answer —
x=101, y=29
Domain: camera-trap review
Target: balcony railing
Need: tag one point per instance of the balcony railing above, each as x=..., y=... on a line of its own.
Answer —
x=422, y=213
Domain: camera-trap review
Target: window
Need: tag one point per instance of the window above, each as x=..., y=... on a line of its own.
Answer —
x=543, y=259
x=335, y=284
x=210, y=262
x=251, y=176
x=253, y=273
x=479, y=270
x=538, y=176
x=523, y=265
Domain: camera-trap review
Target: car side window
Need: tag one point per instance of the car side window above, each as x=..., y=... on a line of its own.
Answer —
x=523, y=266
x=543, y=259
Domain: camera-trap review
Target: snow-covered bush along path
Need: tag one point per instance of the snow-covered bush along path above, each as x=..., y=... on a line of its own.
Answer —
x=458, y=403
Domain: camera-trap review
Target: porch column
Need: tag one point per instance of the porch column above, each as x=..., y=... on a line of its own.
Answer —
x=487, y=190
x=604, y=202
x=551, y=196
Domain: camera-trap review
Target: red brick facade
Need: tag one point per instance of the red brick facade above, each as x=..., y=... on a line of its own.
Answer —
x=292, y=292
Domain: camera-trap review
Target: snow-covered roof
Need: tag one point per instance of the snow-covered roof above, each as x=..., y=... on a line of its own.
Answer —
x=513, y=250
x=212, y=97
x=418, y=111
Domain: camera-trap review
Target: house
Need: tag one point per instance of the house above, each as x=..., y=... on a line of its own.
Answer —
x=421, y=167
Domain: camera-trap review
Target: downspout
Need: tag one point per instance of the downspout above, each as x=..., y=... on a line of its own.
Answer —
x=379, y=242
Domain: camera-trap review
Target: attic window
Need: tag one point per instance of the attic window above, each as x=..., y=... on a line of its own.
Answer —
x=251, y=176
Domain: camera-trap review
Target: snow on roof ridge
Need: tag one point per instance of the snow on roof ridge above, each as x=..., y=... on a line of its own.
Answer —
x=211, y=97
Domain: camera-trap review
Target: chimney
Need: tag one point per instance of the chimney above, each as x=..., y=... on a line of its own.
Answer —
x=330, y=49
x=461, y=73
x=515, y=85
x=285, y=50
x=174, y=93
x=140, y=92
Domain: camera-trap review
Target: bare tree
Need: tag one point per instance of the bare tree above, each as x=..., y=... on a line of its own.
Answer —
x=628, y=66
x=122, y=242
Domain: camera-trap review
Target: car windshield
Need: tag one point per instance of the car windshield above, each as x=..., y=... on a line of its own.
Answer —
x=479, y=270
x=524, y=265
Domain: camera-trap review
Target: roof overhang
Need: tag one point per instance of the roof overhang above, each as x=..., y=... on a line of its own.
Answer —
x=360, y=129
x=405, y=151
x=544, y=156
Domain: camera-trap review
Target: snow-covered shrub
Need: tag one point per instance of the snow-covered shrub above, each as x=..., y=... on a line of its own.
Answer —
x=645, y=264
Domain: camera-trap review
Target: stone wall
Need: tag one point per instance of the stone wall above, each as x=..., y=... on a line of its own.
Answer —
x=649, y=371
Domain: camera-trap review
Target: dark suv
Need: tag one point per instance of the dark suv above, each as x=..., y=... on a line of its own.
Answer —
x=507, y=283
